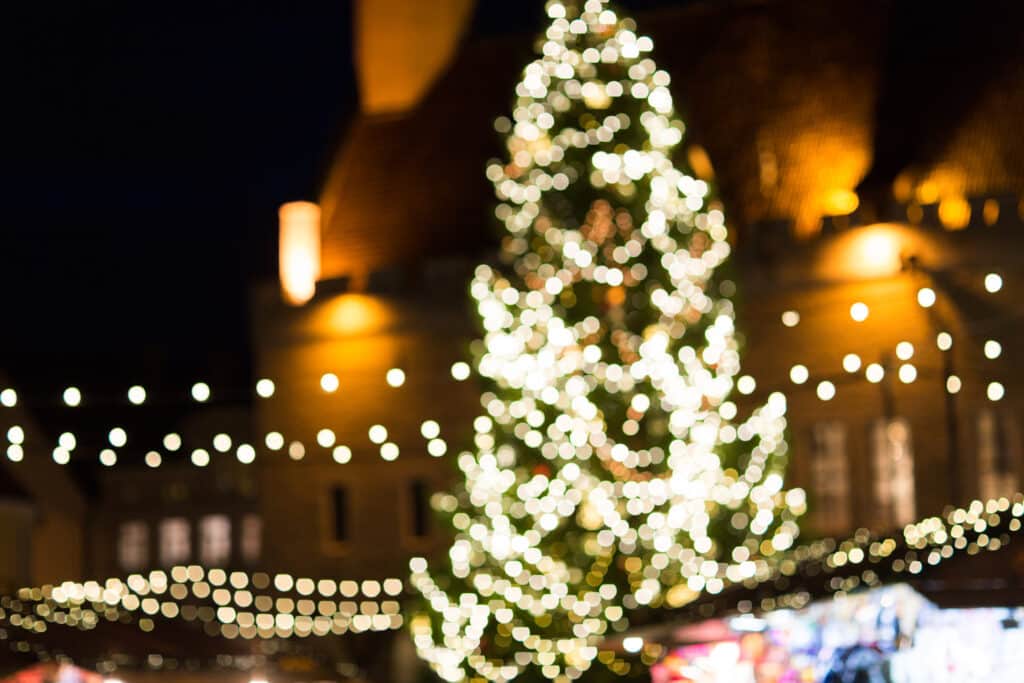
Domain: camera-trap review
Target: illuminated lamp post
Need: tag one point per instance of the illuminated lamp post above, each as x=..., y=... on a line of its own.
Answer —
x=299, y=251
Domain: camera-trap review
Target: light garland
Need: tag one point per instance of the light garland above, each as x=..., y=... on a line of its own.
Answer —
x=609, y=463
x=829, y=567
x=230, y=604
x=199, y=454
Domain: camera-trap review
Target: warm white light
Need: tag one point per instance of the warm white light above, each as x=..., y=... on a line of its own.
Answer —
x=201, y=392
x=136, y=395
x=117, y=437
x=72, y=397
x=993, y=283
x=437, y=447
x=8, y=398
x=61, y=456
x=395, y=377
x=108, y=457
x=460, y=371
x=430, y=429
x=944, y=341
x=746, y=384
x=790, y=318
x=874, y=373
x=222, y=443
x=342, y=454
x=378, y=434
x=296, y=451
x=632, y=644
x=265, y=388
x=329, y=382
x=798, y=374
x=16, y=435
x=993, y=349
x=274, y=441
x=926, y=297
x=859, y=311
x=15, y=453
x=172, y=442
x=995, y=391
x=907, y=373
x=200, y=457
x=953, y=384
x=153, y=459
x=851, y=362
x=325, y=437
x=826, y=390
x=904, y=350
x=299, y=250
x=67, y=441
x=389, y=451
x=245, y=453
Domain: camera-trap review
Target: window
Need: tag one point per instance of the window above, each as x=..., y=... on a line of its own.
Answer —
x=252, y=538
x=830, y=476
x=175, y=544
x=893, y=460
x=419, y=509
x=997, y=476
x=133, y=545
x=339, y=508
x=215, y=540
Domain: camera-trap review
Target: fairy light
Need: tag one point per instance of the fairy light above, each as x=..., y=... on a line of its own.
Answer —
x=993, y=283
x=200, y=457
x=222, y=443
x=790, y=318
x=136, y=395
x=907, y=373
x=826, y=390
x=395, y=377
x=108, y=458
x=953, y=384
x=16, y=435
x=8, y=398
x=460, y=371
x=874, y=373
x=995, y=391
x=993, y=349
x=72, y=397
x=117, y=437
x=265, y=388
x=342, y=454
x=944, y=341
x=926, y=297
x=798, y=374
x=859, y=311
x=329, y=382
x=326, y=438
x=904, y=350
x=200, y=392
x=851, y=362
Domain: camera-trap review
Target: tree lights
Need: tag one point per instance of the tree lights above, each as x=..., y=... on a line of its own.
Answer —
x=609, y=470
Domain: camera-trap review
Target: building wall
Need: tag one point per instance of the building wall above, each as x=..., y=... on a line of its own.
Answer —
x=820, y=281
x=422, y=328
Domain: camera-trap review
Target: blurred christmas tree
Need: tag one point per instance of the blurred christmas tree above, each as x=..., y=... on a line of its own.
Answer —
x=610, y=472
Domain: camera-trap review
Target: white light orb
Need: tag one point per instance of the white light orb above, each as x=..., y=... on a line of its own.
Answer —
x=329, y=382
x=265, y=388
x=859, y=311
x=117, y=437
x=72, y=397
x=201, y=392
x=136, y=395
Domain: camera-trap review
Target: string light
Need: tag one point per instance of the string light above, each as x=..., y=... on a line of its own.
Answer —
x=395, y=377
x=851, y=362
x=200, y=392
x=265, y=388
x=944, y=341
x=993, y=349
x=798, y=374
x=72, y=397
x=790, y=318
x=993, y=283
x=995, y=391
x=926, y=297
x=859, y=311
x=874, y=373
x=953, y=384
x=329, y=382
x=904, y=350
x=8, y=398
x=136, y=395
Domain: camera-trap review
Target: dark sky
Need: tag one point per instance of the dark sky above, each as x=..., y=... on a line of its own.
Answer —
x=146, y=148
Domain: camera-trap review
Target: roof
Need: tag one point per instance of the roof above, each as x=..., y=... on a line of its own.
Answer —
x=789, y=100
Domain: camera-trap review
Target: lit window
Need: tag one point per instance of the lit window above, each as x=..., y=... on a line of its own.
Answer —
x=252, y=538
x=215, y=540
x=419, y=509
x=893, y=460
x=997, y=473
x=175, y=544
x=830, y=476
x=133, y=545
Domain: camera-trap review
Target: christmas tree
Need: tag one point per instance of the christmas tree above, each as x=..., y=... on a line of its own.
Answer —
x=610, y=472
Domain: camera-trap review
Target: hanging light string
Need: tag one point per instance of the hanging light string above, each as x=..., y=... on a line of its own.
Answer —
x=201, y=454
x=228, y=604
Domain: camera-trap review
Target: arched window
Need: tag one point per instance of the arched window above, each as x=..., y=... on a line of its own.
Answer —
x=893, y=463
x=175, y=541
x=830, y=477
x=215, y=540
x=133, y=545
